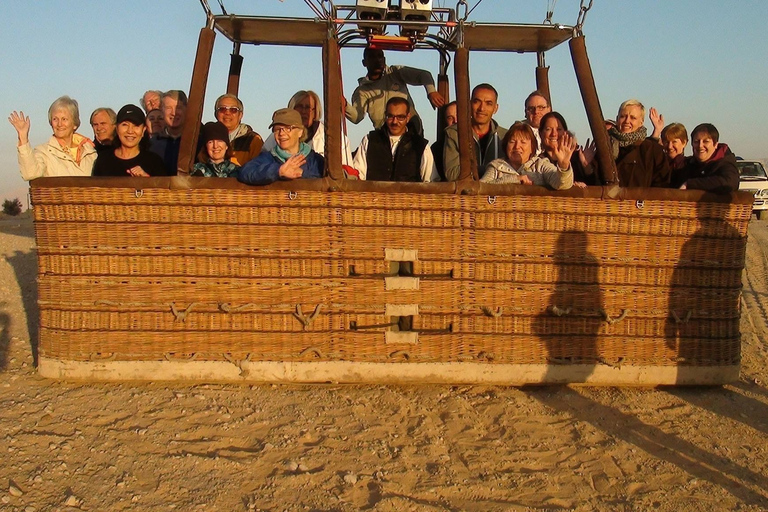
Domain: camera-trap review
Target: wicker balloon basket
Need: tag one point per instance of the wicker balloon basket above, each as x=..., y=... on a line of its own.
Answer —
x=182, y=279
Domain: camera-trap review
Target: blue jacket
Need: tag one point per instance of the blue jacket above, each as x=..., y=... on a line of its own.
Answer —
x=265, y=169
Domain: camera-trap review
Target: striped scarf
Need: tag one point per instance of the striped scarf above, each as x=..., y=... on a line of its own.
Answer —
x=622, y=140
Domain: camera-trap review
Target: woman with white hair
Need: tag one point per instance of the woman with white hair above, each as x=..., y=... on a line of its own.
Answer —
x=65, y=154
x=307, y=104
x=640, y=161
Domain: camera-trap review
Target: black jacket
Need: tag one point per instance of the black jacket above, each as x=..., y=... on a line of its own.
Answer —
x=643, y=165
x=719, y=174
x=406, y=164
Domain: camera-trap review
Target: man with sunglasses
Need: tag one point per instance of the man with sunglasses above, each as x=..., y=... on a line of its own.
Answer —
x=394, y=152
x=245, y=143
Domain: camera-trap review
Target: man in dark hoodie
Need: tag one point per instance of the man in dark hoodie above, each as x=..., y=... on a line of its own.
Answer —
x=712, y=166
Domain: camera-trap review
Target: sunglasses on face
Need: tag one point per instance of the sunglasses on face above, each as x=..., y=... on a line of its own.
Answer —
x=224, y=110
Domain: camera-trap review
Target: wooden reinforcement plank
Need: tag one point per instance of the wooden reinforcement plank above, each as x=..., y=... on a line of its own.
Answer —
x=386, y=373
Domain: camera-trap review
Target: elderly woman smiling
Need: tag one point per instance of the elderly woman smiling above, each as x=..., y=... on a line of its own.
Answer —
x=65, y=154
x=523, y=166
x=290, y=159
x=640, y=161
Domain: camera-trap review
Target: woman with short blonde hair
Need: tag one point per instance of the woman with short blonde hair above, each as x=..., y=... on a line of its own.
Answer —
x=66, y=153
x=640, y=161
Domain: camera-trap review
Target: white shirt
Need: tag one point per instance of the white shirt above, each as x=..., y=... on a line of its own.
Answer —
x=428, y=168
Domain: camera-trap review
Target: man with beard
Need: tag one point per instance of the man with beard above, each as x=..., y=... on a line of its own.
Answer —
x=393, y=152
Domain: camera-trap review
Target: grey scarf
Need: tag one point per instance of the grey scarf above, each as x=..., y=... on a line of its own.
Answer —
x=622, y=140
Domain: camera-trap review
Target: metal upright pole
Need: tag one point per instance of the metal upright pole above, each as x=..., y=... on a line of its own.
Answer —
x=235, y=67
x=467, y=157
x=333, y=109
x=542, y=77
x=586, y=81
x=444, y=90
x=196, y=98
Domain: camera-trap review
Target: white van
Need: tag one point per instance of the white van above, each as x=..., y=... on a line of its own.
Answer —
x=752, y=178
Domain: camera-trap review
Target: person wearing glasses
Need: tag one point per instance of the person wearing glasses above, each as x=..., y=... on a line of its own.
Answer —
x=290, y=159
x=307, y=104
x=245, y=143
x=393, y=152
x=536, y=107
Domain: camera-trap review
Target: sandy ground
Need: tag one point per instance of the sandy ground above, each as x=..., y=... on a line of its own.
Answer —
x=111, y=447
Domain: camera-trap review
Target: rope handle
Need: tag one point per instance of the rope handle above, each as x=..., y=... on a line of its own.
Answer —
x=182, y=314
x=237, y=362
x=244, y=372
x=312, y=350
x=490, y=312
x=611, y=321
x=559, y=311
x=306, y=320
x=227, y=307
x=171, y=356
x=486, y=356
x=400, y=353
x=683, y=320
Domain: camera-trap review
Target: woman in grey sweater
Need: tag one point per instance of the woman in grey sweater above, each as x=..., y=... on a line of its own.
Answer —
x=523, y=166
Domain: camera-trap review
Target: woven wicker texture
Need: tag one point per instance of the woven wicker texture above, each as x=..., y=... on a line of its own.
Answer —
x=262, y=274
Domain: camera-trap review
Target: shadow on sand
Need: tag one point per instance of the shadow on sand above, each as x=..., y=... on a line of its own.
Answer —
x=699, y=294
x=24, y=265
x=692, y=459
x=5, y=338
x=687, y=456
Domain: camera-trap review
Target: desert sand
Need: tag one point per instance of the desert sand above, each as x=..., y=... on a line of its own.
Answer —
x=69, y=446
